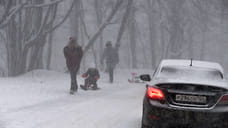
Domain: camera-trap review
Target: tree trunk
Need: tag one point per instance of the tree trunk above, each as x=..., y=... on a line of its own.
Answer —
x=153, y=33
x=75, y=19
x=123, y=23
x=35, y=50
x=205, y=19
x=99, y=16
x=176, y=30
x=26, y=32
x=49, y=50
x=132, y=35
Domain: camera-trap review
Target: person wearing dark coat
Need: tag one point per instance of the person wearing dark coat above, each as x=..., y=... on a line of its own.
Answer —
x=91, y=75
x=111, y=57
x=73, y=54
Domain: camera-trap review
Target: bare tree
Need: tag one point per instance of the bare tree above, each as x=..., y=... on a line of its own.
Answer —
x=152, y=19
x=103, y=25
x=175, y=46
x=99, y=17
x=132, y=35
x=26, y=32
x=75, y=18
x=123, y=22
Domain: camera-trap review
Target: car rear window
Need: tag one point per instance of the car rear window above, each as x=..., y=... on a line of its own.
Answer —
x=190, y=73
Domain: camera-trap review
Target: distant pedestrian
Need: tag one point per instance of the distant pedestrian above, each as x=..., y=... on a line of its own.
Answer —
x=111, y=57
x=73, y=54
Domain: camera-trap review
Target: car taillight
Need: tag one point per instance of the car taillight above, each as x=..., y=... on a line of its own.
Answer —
x=155, y=94
x=224, y=99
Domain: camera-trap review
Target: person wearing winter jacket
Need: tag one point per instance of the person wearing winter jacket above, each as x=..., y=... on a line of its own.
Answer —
x=110, y=55
x=73, y=54
x=91, y=76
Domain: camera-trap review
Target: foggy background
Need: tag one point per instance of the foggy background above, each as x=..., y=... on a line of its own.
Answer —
x=34, y=32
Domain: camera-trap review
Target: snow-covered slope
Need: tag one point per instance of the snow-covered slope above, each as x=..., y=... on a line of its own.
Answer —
x=40, y=99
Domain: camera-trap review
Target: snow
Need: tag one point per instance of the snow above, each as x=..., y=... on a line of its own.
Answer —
x=41, y=99
x=195, y=63
x=190, y=73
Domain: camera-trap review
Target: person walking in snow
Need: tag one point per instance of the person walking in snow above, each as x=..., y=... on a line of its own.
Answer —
x=110, y=55
x=91, y=76
x=73, y=54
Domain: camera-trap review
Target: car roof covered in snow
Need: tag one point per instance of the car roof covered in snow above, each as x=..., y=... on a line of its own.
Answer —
x=180, y=71
x=195, y=63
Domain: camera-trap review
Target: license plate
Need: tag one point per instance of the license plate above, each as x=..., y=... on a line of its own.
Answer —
x=190, y=98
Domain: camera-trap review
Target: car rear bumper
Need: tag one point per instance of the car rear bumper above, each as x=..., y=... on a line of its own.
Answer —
x=165, y=115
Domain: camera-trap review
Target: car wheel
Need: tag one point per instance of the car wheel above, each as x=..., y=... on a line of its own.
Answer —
x=144, y=126
x=144, y=118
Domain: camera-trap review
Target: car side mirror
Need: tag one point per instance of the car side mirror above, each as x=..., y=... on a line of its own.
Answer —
x=145, y=77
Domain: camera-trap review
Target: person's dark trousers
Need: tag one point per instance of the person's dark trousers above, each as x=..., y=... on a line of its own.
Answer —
x=111, y=75
x=74, y=84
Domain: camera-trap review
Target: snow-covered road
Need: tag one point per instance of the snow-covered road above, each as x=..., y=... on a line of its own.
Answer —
x=40, y=99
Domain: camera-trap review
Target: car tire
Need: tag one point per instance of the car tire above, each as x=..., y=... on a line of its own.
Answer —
x=143, y=118
x=144, y=126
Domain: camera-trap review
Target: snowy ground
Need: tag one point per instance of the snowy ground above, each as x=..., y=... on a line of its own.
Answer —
x=40, y=99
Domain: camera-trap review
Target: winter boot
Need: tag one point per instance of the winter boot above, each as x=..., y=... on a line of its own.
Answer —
x=84, y=87
x=71, y=92
x=73, y=88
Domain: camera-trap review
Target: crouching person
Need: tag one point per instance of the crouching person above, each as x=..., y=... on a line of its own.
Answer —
x=91, y=76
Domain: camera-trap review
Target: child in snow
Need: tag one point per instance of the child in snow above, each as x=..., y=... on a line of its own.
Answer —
x=91, y=76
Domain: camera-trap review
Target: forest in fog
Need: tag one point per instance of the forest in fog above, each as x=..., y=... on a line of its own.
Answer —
x=34, y=32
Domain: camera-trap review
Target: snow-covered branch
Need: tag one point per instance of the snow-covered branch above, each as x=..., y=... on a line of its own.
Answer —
x=30, y=42
x=101, y=28
x=9, y=14
x=13, y=11
x=123, y=22
x=43, y=28
x=63, y=20
x=43, y=5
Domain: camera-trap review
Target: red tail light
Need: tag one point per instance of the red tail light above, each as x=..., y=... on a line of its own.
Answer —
x=224, y=99
x=155, y=93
